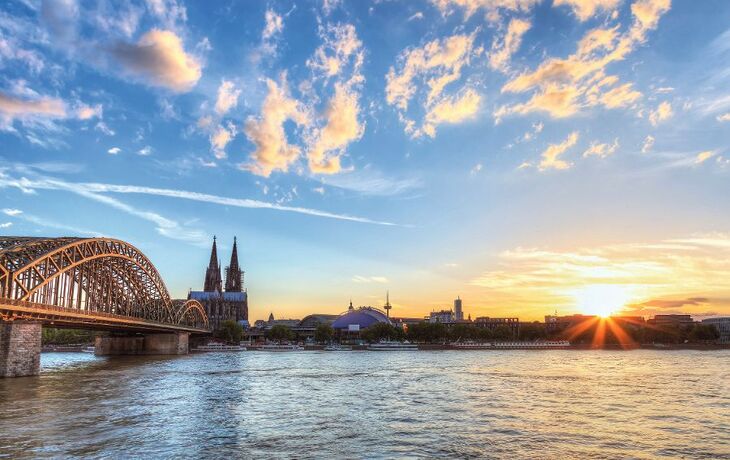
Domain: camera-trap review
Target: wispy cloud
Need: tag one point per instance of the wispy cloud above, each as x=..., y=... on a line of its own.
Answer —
x=369, y=279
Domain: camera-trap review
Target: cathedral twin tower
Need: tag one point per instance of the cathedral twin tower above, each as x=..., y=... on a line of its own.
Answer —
x=234, y=274
x=221, y=305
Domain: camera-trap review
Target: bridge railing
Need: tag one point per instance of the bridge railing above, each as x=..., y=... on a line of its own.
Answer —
x=43, y=308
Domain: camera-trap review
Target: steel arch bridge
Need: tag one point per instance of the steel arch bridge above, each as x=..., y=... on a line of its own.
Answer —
x=93, y=283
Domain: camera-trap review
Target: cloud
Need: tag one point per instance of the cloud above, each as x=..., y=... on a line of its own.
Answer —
x=491, y=6
x=114, y=151
x=692, y=269
x=415, y=16
x=476, y=169
x=704, y=156
x=340, y=46
x=227, y=97
x=435, y=65
x=367, y=181
x=503, y=49
x=85, y=112
x=451, y=110
x=662, y=112
x=95, y=191
x=551, y=156
x=169, y=12
x=562, y=87
x=274, y=25
x=6, y=225
x=369, y=279
x=145, y=151
x=272, y=149
x=648, y=144
x=160, y=59
x=723, y=117
x=601, y=150
x=104, y=128
x=219, y=139
x=12, y=107
x=12, y=212
x=664, y=303
x=342, y=127
x=586, y=9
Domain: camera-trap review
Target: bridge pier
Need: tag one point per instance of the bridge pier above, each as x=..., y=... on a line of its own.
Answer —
x=20, y=348
x=175, y=343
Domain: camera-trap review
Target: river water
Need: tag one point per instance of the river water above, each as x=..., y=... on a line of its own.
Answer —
x=465, y=404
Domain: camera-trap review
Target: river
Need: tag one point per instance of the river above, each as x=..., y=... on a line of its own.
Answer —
x=460, y=404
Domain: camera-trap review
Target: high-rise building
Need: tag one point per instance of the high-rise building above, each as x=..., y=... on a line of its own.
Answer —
x=458, y=312
x=220, y=305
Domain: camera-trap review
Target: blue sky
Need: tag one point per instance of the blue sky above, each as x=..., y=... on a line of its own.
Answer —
x=530, y=156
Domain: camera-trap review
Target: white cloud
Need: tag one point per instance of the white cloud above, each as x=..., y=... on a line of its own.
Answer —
x=492, y=7
x=648, y=144
x=273, y=151
x=476, y=169
x=601, y=150
x=415, y=16
x=160, y=59
x=95, y=191
x=369, y=279
x=12, y=212
x=663, y=112
x=227, y=97
x=85, y=112
x=220, y=138
x=551, y=156
x=114, y=151
x=274, y=25
x=104, y=128
x=6, y=225
x=145, y=151
x=723, y=117
x=451, y=110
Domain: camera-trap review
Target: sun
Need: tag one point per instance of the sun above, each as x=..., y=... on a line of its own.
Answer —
x=601, y=299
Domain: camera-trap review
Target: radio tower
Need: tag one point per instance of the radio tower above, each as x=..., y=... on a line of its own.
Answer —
x=387, y=306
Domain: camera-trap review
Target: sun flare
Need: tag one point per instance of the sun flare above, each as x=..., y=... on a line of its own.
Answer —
x=601, y=299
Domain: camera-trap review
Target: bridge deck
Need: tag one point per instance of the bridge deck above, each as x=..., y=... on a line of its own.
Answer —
x=51, y=315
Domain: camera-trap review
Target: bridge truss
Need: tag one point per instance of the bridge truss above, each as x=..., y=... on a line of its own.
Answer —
x=98, y=283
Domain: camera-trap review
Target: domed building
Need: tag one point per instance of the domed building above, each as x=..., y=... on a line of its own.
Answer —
x=357, y=319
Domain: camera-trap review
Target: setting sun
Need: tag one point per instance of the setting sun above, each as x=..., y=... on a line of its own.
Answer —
x=601, y=299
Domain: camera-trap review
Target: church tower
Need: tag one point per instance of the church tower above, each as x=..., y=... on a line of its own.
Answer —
x=213, y=273
x=234, y=275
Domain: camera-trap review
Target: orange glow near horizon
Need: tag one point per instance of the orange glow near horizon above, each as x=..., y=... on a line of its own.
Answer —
x=601, y=299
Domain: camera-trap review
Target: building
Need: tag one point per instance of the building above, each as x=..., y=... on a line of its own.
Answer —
x=458, y=311
x=442, y=316
x=722, y=325
x=485, y=322
x=222, y=305
x=357, y=319
x=672, y=320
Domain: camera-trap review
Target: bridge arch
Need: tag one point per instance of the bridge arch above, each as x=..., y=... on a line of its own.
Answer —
x=90, y=275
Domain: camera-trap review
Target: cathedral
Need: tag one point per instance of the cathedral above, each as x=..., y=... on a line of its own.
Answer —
x=220, y=304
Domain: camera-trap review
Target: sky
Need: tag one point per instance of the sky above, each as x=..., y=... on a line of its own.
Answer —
x=528, y=156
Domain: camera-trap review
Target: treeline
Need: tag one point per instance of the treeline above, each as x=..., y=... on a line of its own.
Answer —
x=52, y=336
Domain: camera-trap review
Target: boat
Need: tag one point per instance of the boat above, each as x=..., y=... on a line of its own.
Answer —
x=280, y=347
x=88, y=350
x=514, y=345
x=213, y=347
x=335, y=347
x=388, y=345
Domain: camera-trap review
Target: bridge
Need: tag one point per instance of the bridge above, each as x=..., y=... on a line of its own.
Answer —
x=87, y=283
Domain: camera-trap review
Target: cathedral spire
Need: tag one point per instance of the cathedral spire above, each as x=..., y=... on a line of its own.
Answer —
x=234, y=275
x=213, y=273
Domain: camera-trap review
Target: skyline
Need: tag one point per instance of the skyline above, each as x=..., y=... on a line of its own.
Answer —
x=528, y=156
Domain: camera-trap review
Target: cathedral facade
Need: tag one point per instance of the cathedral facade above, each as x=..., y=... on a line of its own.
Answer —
x=222, y=304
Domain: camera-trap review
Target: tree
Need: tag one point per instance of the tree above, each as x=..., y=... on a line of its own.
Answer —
x=427, y=332
x=380, y=331
x=52, y=336
x=323, y=333
x=230, y=331
x=279, y=333
x=502, y=332
x=532, y=331
x=704, y=333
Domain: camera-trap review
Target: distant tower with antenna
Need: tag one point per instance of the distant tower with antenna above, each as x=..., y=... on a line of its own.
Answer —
x=387, y=305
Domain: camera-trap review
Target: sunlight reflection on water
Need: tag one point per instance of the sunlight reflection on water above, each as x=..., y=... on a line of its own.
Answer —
x=497, y=404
